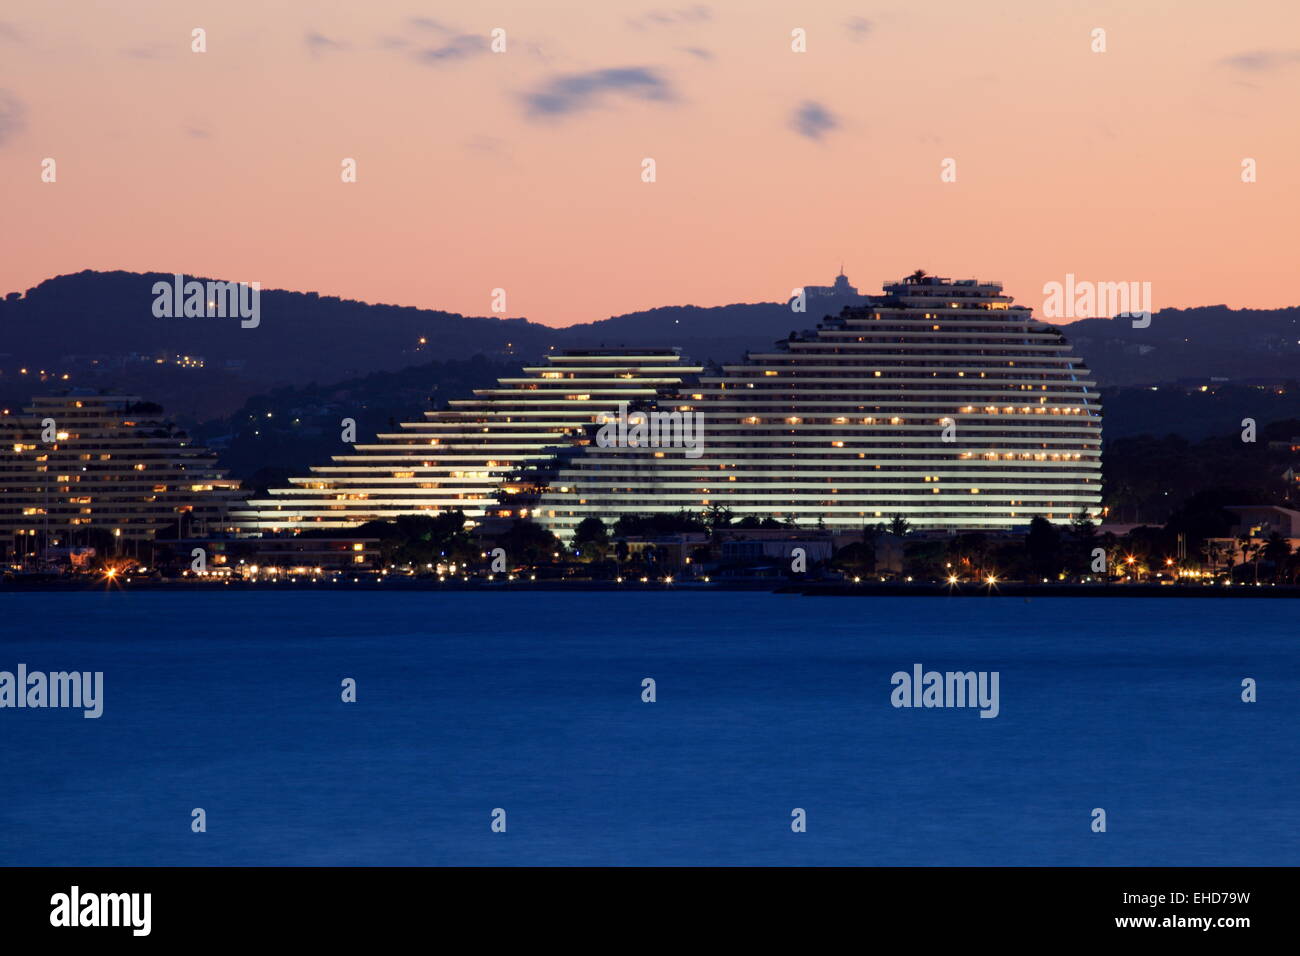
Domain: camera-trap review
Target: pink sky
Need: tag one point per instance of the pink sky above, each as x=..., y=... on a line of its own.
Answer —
x=1115, y=166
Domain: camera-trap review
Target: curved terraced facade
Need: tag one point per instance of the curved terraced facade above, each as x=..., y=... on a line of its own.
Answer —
x=117, y=464
x=939, y=401
x=487, y=454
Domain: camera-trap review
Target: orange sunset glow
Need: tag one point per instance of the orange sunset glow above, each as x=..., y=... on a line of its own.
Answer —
x=522, y=169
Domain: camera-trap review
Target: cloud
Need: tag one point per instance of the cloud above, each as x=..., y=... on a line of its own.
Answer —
x=12, y=116
x=574, y=92
x=428, y=23
x=671, y=18
x=858, y=28
x=460, y=47
x=11, y=33
x=452, y=45
x=813, y=120
x=490, y=147
x=318, y=43
x=1262, y=61
x=697, y=51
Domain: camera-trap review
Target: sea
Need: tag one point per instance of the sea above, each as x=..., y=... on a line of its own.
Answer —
x=515, y=728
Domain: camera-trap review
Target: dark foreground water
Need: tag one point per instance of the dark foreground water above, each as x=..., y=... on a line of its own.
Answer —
x=532, y=703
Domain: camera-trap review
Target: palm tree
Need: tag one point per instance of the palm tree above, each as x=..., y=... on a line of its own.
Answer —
x=717, y=516
x=1211, y=550
x=1251, y=551
x=1230, y=560
x=1276, y=550
x=1293, y=567
x=1111, y=546
x=916, y=277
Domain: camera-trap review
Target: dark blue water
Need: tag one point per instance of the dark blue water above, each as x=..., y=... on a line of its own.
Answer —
x=532, y=703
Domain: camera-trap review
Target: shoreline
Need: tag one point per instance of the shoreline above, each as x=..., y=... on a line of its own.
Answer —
x=811, y=589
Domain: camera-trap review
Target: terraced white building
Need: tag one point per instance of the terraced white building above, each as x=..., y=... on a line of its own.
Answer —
x=940, y=401
x=488, y=454
x=84, y=461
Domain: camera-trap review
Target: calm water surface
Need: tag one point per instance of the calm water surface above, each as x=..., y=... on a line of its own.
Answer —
x=532, y=703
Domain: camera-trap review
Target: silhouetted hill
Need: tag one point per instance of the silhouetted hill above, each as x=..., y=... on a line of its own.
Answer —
x=1210, y=342
x=301, y=336
x=283, y=431
x=98, y=329
x=720, y=333
x=1130, y=411
x=1149, y=477
x=304, y=336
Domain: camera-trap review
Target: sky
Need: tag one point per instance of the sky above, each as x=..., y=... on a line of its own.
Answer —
x=523, y=170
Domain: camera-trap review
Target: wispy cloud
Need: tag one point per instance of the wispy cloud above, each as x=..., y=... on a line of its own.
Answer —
x=698, y=52
x=858, y=28
x=450, y=45
x=11, y=33
x=428, y=23
x=318, y=43
x=699, y=13
x=13, y=115
x=574, y=92
x=813, y=120
x=460, y=47
x=1262, y=61
x=491, y=147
